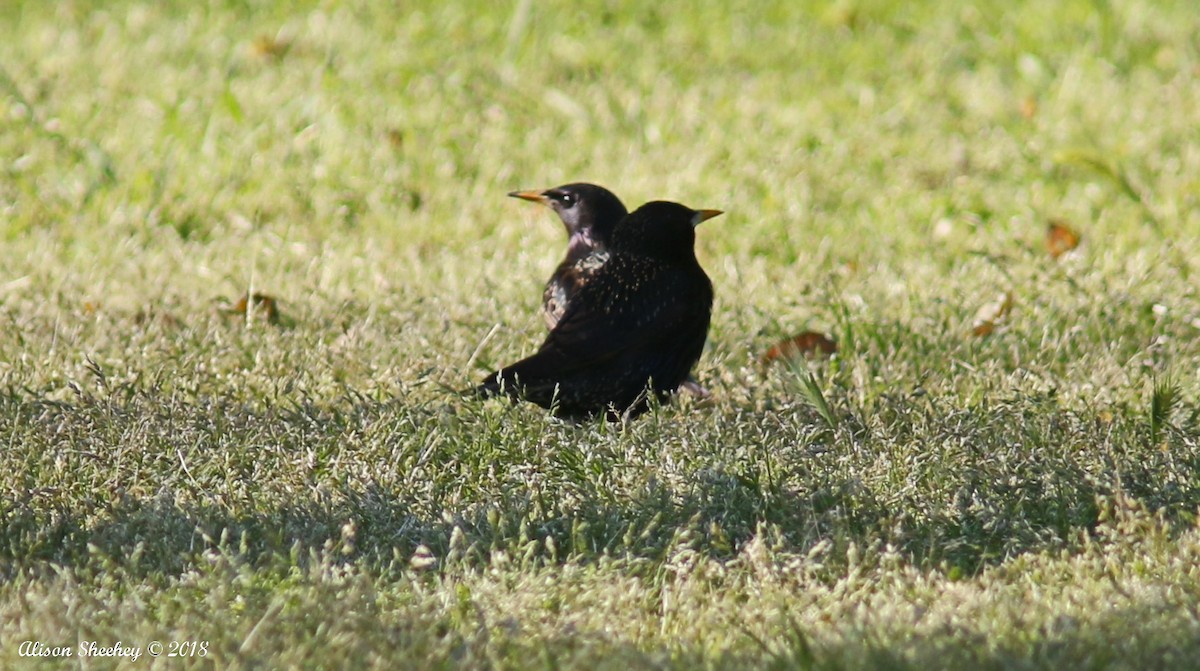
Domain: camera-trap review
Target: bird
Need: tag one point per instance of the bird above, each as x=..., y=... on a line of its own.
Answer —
x=589, y=212
x=634, y=330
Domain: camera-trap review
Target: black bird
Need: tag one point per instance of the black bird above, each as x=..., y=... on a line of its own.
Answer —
x=589, y=212
x=638, y=325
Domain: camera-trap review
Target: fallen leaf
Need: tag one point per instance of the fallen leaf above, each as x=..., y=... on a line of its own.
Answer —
x=991, y=314
x=256, y=305
x=1028, y=107
x=983, y=328
x=265, y=46
x=1060, y=238
x=809, y=344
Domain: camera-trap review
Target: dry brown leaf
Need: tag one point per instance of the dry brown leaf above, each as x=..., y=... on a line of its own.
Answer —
x=1028, y=107
x=1060, y=238
x=991, y=314
x=256, y=305
x=809, y=344
x=983, y=328
x=265, y=46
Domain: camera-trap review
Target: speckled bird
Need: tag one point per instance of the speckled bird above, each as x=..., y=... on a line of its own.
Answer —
x=589, y=213
x=635, y=328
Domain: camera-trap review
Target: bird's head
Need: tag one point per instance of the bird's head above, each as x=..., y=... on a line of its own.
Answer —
x=587, y=211
x=661, y=229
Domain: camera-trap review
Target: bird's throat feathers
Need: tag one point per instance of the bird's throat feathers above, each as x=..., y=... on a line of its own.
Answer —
x=581, y=244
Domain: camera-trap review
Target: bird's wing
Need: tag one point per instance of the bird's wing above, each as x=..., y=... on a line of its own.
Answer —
x=632, y=303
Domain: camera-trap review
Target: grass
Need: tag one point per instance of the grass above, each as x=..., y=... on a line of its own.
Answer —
x=312, y=491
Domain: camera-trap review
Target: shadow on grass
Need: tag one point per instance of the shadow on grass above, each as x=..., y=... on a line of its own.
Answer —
x=987, y=483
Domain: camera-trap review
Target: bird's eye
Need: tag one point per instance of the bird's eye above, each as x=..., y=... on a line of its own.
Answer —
x=567, y=200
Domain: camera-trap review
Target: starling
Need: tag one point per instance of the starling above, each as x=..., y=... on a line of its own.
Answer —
x=635, y=328
x=589, y=213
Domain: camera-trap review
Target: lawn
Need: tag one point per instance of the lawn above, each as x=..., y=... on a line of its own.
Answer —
x=998, y=468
